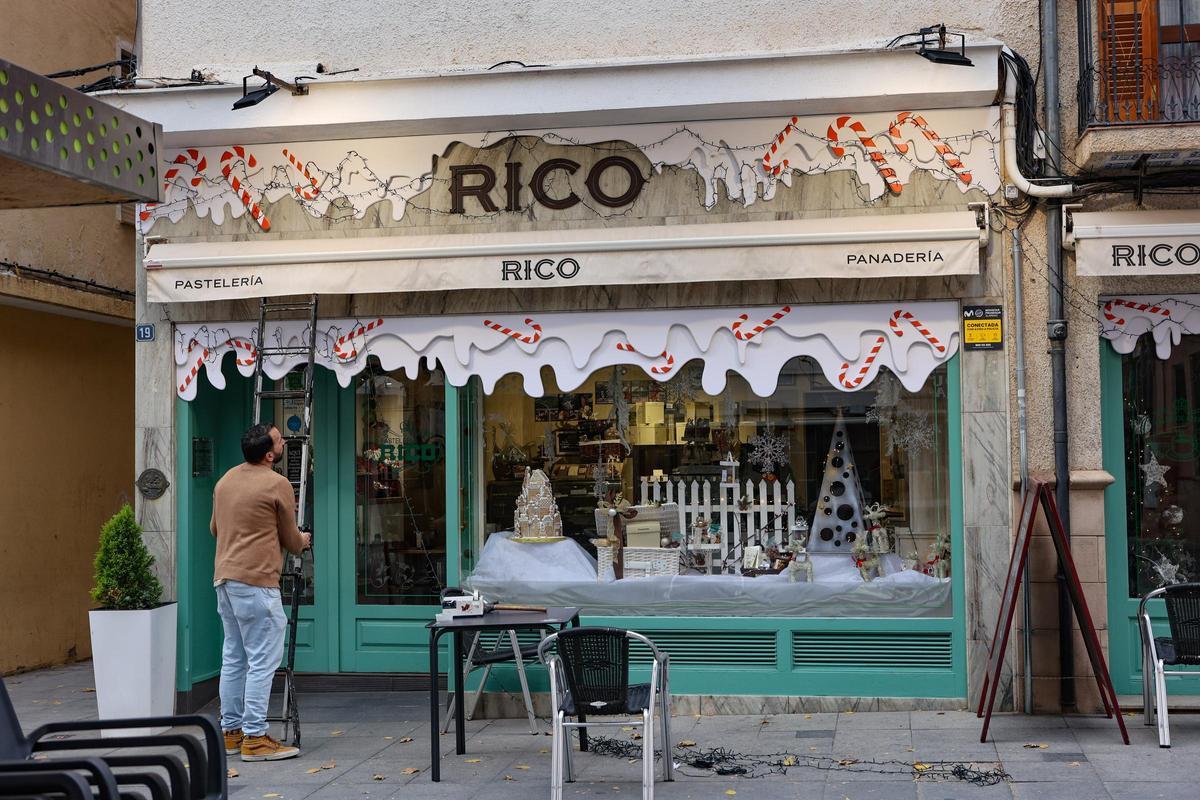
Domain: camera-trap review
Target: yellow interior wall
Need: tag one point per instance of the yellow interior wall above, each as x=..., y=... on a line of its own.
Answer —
x=66, y=465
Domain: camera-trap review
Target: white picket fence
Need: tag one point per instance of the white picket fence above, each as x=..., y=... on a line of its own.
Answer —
x=763, y=518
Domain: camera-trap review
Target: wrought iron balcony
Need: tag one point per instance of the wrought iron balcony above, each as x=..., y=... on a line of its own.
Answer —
x=1140, y=64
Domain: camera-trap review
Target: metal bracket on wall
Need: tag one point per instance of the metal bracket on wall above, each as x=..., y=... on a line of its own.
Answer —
x=983, y=218
x=1068, y=224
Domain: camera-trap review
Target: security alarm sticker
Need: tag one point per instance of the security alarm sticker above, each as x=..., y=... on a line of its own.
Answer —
x=983, y=327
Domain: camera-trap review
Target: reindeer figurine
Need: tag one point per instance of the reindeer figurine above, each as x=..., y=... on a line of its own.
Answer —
x=865, y=560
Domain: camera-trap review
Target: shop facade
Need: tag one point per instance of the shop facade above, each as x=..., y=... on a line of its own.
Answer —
x=748, y=328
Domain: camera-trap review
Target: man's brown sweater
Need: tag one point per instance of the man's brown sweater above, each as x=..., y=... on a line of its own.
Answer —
x=254, y=514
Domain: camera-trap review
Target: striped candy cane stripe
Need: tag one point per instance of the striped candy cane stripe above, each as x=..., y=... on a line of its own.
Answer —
x=339, y=347
x=243, y=194
x=206, y=352
x=1116, y=301
x=948, y=155
x=663, y=369
x=901, y=314
x=189, y=156
x=303, y=191
x=523, y=338
x=769, y=156
x=868, y=143
x=856, y=381
x=762, y=326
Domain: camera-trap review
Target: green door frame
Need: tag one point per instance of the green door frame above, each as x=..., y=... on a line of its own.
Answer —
x=1124, y=642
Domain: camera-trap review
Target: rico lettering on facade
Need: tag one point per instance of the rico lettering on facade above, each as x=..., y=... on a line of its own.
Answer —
x=544, y=270
x=482, y=180
x=1162, y=254
x=923, y=256
x=219, y=283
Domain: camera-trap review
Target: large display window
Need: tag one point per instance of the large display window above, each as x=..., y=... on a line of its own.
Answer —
x=634, y=494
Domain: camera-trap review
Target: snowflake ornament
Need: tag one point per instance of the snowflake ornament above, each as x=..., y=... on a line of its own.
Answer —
x=1167, y=571
x=768, y=451
x=910, y=431
x=1155, y=472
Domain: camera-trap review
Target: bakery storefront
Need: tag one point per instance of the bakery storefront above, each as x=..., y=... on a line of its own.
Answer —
x=526, y=336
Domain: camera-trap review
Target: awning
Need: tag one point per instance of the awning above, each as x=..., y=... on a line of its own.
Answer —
x=909, y=245
x=851, y=342
x=1135, y=242
x=1166, y=318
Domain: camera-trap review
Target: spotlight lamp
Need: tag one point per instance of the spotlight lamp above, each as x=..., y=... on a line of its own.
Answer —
x=271, y=85
x=931, y=44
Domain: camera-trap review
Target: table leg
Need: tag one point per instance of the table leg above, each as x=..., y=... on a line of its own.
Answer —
x=434, y=743
x=460, y=734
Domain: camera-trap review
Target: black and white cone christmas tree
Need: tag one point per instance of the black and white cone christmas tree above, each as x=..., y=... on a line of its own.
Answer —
x=838, y=521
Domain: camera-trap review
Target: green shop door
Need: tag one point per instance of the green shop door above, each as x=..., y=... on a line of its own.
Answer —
x=398, y=517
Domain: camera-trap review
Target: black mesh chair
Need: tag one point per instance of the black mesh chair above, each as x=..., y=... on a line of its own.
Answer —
x=1180, y=649
x=589, y=677
x=198, y=775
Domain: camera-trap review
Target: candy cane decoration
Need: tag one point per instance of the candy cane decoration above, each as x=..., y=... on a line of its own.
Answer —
x=668, y=359
x=190, y=155
x=853, y=383
x=901, y=314
x=303, y=170
x=243, y=195
x=523, y=338
x=1116, y=301
x=361, y=330
x=949, y=156
x=774, y=148
x=762, y=326
x=195, y=370
x=873, y=152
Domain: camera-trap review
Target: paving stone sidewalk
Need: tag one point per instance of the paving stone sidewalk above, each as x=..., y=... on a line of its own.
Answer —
x=357, y=747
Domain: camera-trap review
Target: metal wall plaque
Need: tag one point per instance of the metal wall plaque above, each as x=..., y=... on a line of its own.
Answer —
x=152, y=483
x=202, y=456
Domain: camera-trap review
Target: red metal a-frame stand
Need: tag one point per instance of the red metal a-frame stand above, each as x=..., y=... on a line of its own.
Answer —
x=1039, y=494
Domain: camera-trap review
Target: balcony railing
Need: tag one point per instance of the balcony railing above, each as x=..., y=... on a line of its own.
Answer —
x=1141, y=63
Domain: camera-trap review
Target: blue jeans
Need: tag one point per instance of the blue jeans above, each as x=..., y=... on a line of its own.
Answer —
x=254, y=626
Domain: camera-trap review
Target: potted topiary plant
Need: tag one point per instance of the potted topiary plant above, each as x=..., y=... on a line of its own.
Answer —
x=133, y=632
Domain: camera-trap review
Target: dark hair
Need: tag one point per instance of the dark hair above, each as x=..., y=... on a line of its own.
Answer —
x=256, y=442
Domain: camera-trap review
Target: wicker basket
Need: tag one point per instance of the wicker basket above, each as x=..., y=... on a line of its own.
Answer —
x=640, y=562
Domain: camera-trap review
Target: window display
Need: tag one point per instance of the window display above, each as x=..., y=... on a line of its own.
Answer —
x=667, y=500
x=1162, y=463
x=400, y=494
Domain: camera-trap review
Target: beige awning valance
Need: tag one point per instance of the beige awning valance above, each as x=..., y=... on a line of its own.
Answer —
x=933, y=244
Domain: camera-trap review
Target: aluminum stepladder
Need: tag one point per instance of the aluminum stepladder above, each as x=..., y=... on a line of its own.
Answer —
x=290, y=710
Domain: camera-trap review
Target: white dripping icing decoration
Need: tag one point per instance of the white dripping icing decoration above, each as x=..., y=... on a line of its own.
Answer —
x=732, y=157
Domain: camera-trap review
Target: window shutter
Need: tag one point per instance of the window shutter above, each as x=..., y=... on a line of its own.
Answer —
x=1129, y=60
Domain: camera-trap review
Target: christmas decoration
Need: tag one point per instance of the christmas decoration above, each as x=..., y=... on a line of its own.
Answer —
x=1155, y=472
x=1166, y=571
x=685, y=386
x=876, y=515
x=537, y=514
x=910, y=431
x=938, y=564
x=768, y=451
x=1172, y=516
x=620, y=405
x=838, y=522
x=1141, y=424
x=864, y=560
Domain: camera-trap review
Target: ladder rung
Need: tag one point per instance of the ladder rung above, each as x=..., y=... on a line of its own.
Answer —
x=282, y=394
x=287, y=306
x=298, y=350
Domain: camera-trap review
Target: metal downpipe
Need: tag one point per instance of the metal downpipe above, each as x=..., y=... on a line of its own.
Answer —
x=1023, y=454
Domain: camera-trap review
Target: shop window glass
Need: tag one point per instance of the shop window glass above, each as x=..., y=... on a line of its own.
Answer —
x=400, y=487
x=727, y=488
x=1162, y=464
x=289, y=418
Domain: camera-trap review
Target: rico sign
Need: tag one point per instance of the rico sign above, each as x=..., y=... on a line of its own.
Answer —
x=477, y=181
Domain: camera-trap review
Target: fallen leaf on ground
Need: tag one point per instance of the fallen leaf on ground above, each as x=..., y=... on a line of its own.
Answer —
x=789, y=762
x=336, y=733
x=687, y=743
x=405, y=739
x=730, y=792
x=808, y=716
x=845, y=762
x=388, y=738
x=509, y=778
x=764, y=722
x=272, y=794
x=635, y=736
x=312, y=771
x=851, y=711
x=1033, y=746
x=522, y=766
x=472, y=760
x=919, y=767
x=329, y=765
x=378, y=777
x=626, y=727
x=231, y=773
x=543, y=751
x=1074, y=764
x=909, y=749
x=88, y=689
x=410, y=770
x=56, y=702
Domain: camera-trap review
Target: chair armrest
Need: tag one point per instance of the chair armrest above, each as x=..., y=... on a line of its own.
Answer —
x=152, y=781
x=69, y=784
x=176, y=772
x=198, y=764
x=98, y=772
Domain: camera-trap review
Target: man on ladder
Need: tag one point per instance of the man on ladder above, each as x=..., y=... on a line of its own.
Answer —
x=254, y=513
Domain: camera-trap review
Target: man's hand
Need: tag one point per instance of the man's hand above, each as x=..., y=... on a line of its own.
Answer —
x=306, y=536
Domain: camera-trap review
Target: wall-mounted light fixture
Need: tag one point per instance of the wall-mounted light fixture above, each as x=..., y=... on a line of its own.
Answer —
x=931, y=44
x=271, y=85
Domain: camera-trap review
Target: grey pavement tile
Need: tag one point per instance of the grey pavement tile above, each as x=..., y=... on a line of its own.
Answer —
x=958, y=790
x=1146, y=790
x=816, y=733
x=1043, y=772
x=1059, y=790
x=873, y=720
x=1146, y=764
x=786, y=723
x=1014, y=721
x=870, y=790
x=926, y=720
x=286, y=791
x=1064, y=757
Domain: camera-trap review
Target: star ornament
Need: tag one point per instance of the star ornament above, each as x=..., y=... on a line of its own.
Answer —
x=1155, y=472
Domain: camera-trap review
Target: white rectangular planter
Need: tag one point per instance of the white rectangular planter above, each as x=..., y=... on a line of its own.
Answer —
x=133, y=657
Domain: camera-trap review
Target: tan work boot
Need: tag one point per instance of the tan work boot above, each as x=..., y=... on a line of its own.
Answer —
x=264, y=748
x=233, y=742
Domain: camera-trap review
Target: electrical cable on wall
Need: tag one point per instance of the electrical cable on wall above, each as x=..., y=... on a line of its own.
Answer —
x=13, y=269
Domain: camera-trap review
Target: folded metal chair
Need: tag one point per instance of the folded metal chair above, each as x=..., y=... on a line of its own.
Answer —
x=503, y=652
x=64, y=783
x=199, y=775
x=1181, y=648
x=589, y=678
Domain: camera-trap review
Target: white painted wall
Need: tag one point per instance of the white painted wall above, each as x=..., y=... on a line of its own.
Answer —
x=382, y=38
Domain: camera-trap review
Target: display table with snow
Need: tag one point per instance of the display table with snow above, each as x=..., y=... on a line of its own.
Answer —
x=563, y=574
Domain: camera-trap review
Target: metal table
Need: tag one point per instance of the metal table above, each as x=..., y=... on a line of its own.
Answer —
x=558, y=617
